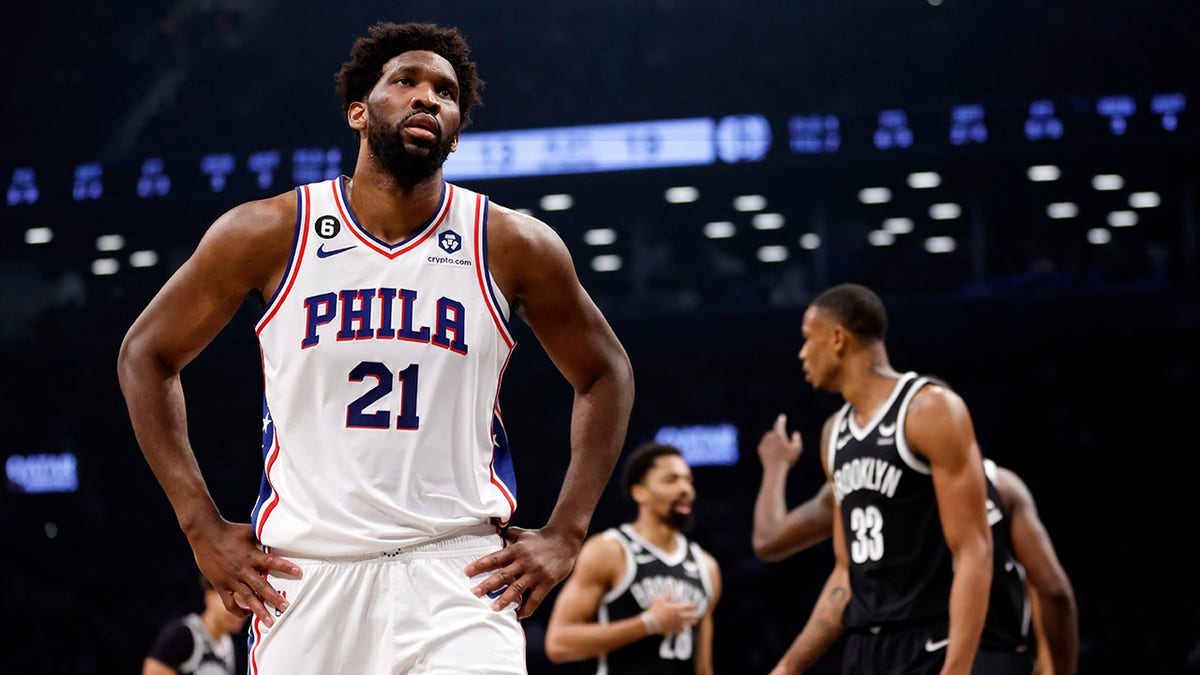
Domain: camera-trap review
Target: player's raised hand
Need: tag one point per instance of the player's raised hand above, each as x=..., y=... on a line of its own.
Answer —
x=777, y=447
x=230, y=556
x=526, y=570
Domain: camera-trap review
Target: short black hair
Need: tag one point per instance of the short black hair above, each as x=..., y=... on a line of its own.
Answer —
x=385, y=41
x=857, y=308
x=640, y=462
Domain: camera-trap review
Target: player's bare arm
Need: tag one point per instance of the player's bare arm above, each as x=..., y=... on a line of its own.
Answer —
x=535, y=273
x=778, y=532
x=706, y=629
x=1046, y=577
x=824, y=625
x=156, y=667
x=245, y=249
x=939, y=428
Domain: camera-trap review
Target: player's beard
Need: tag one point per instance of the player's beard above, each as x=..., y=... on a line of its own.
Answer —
x=680, y=521
x=407, y=164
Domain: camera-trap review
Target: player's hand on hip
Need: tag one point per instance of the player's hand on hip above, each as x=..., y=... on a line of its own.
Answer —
x=777, y=447
x=532, y=564
x=231, y=558
x=673, y=617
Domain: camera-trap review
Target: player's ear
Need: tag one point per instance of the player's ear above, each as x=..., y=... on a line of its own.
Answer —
x=454, y=145
x=356, y=116
x=638, y=492
x=840, y=339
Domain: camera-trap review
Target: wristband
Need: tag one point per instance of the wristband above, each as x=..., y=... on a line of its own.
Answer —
x=653, y=625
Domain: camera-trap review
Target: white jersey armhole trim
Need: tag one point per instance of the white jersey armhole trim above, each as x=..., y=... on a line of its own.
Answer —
x=989, y=470
x=496, y=303
x=299, y=242
x=833, y=437
x=705, y=579
x=914, y=462
x=193, y=661
x=626, y=580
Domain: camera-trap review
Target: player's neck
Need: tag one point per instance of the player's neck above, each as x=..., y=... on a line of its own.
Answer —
x=869, y=383
x=656, y=532
x=389, y=208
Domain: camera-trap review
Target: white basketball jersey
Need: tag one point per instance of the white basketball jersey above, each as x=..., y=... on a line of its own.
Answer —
x=382, y=366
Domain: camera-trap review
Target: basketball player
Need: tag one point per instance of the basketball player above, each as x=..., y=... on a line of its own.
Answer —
x=1028, y=582
x=376, y=543
x=197, y=644
x=641, y=598
x=911, y=540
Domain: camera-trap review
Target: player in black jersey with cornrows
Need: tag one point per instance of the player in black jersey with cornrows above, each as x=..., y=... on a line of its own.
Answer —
x=912, y=546
x=641, y=598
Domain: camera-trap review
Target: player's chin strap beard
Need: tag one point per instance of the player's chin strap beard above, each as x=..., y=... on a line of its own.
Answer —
x=680, y=521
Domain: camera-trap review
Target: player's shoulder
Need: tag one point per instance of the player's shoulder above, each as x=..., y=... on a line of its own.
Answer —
x=268, y=222
x=174, y=642
x=510, y=227
x=935, y=398
x=702, y=555
x=1013, y=491
x=602, y=555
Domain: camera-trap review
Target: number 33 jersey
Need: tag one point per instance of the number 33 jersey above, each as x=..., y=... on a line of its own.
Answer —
x=900, y=568
x=381, y=367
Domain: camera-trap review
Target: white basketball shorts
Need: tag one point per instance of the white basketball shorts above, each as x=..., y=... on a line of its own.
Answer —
x=408, y=612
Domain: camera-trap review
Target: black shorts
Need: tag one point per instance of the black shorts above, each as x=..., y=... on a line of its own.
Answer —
x=919, y=650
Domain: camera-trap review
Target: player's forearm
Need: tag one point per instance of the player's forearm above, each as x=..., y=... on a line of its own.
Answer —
x=599, y=420
x=968, y=606
x=578, y=641
x=770, y=507
x=1060, y=623
x=154, y=396
x=823, y=628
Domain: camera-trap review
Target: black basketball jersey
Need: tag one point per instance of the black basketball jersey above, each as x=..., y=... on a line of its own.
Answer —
x=186, y=645
x=1008, y=617
x=900, y=566
x=649, y=573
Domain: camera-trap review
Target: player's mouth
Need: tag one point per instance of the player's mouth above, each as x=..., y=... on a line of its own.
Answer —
x=423, y=126
x=682, y=505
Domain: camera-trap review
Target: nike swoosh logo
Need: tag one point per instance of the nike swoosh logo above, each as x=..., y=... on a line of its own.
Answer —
x=496, y=593
x=322, y=253
x=886, y=430
x=931, y=646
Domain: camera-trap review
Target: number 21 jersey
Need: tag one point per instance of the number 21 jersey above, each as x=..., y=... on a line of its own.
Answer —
x=381, y=367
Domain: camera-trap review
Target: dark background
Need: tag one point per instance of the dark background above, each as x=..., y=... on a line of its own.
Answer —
x=1078, y=360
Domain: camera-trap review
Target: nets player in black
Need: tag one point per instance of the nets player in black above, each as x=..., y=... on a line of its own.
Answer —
x=911, y=540
x=1023, y=555
x=199, y=644
x=640, y=600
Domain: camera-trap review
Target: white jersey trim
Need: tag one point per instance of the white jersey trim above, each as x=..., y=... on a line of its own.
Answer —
x=860, y=434
x=834, y=430
x=702, y=562
x=668, y=559
x=299, y=241
x=391, y=251
x=496, y=303
x=626, y=580
x=917, y=464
